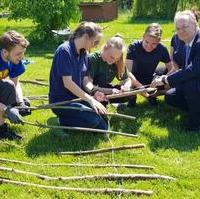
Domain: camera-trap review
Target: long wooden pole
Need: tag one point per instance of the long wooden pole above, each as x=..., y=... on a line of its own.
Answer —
x=81, y=129
x=130, y=166
x=111, y=176
x=34, y=82
x=103, y=150
x=79, y=109
x=113, y=96
x=82, y=190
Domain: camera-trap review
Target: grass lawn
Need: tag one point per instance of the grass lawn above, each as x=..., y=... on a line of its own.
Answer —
x=168, y=148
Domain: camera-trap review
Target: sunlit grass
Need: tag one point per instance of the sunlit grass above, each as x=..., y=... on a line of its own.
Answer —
x=168, y=147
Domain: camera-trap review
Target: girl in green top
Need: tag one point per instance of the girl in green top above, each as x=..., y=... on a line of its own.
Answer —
x=104, y=67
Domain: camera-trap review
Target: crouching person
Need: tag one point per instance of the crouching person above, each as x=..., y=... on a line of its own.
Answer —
x=12, y=48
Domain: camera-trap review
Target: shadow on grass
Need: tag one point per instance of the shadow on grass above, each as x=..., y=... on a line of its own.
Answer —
x=162, y=117
x=53, y=141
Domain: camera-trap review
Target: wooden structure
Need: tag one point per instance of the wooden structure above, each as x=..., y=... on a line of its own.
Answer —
x=99, y=11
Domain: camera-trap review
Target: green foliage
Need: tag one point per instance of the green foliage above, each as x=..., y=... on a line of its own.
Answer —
x=161, y=9
x=155, y=8
x=47, y=14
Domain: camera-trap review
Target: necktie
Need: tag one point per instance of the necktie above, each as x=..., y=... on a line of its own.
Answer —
x=187, y=54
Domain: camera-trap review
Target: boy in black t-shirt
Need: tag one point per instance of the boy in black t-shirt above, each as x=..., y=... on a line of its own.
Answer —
x=143, y=57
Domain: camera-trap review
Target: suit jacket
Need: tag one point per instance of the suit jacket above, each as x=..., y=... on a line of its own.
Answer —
x=192, y=72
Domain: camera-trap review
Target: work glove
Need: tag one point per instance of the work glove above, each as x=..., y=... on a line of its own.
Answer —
x=24, y=110
x=13, y=115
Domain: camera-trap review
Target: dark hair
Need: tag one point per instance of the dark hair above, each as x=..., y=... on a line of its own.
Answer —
x=11, y=39
x=89, y=28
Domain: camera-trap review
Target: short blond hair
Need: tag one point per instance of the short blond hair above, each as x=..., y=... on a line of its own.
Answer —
x=154, y=30
x=11, y=39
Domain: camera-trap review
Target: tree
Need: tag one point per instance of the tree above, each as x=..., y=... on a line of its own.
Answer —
x=155, y=8
x=47, y=14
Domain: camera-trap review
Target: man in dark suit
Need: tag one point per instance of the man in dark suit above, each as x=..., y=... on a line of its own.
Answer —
x=185, y=83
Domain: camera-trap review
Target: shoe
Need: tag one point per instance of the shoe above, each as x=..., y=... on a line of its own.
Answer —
x=153, y=101
x=6, y=133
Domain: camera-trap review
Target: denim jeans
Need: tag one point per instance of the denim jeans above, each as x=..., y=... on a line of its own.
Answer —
x=80, y=118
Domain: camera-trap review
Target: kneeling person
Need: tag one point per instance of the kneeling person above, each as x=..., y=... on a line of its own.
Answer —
x=12, y=45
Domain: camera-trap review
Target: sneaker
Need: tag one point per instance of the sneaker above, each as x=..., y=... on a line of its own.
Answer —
x=6, y=133
x=153, y=101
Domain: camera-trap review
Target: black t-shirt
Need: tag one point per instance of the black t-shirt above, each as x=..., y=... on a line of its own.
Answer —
x=145, y=63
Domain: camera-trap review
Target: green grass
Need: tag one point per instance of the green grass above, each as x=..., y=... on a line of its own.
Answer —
x=168, y=147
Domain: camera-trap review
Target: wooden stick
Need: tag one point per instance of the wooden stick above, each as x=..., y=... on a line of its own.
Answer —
x=79, y=164
x=111, y=176
x=34, y=108
x=34, y=82
x=41, y=80
x=103, y=150
x=113, y=96
x=81, y=129
x=130, y=93
x=37, y=97
x=82, y=190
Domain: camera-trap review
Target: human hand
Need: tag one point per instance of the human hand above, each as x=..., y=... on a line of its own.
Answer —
x=13, y=115
x=158, y=81
x=99, y=96
x=115, y=91
x=97, y=106
x=125, y=88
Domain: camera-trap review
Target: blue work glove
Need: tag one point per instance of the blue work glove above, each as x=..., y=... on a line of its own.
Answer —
x=13, y=115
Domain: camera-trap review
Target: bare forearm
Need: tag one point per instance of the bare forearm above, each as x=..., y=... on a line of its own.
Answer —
x=76, y=90
x=19, y=93
x=135, y=82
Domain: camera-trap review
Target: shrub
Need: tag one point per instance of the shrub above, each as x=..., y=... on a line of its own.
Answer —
x=47, y=14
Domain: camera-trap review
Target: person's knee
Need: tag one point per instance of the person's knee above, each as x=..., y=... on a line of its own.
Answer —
x=8, y=94
x=10, y=85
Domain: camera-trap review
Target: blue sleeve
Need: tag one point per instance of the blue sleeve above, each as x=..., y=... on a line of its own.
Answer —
x=64, y=63
x=16, y=70
x=165, y=55
x=131, y=52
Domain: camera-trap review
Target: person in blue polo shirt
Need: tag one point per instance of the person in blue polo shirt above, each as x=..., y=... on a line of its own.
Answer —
x=66, y=79
x=143, y=57
x=12, y=48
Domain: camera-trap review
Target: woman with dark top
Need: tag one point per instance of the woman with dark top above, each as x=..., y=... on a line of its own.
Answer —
x=66, y=79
